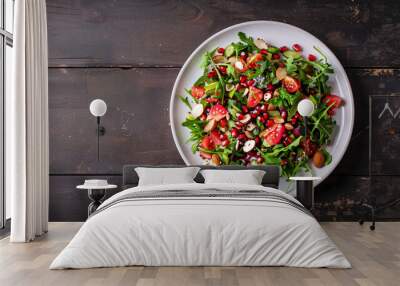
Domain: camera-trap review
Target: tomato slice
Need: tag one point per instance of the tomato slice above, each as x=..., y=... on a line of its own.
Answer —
x=217, y=112
x=207, y=143
x=198, y=92
x=333, y=99
x=255, y=96
x=291, y=84
x=273, y=134
x=255, y=59
x=215, y=137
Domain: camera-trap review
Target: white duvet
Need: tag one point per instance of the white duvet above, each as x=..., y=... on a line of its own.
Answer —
x=200, y=231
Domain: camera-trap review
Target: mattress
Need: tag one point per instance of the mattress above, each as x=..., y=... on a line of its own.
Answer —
x=201, y=225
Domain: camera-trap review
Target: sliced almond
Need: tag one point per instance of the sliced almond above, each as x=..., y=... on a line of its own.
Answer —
x=239, y=65
x=261, y=44
x=249, y=134
x=197, y=110
x=245, y=119
x=281, y=73
x=279, y=120
x=215, y=159
x=219, y=59
x=232, y=60
x=251, y=126
x=249, y=145
x=288, y=126
x=246, y=91
x=210, y=125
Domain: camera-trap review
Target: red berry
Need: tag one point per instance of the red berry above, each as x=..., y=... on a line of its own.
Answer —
x=264, y=52
x=251, y=82
x=312, y=58
x=245, y=109
x=297, y=47
x=270, y=123
x=212, y=74
x=221, y=50
x=283, y=49
x=276, y=56
x=222, y=69
x=234, y=132
x=243, y=79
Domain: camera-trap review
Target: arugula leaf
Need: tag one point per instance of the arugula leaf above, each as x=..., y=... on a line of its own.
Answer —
x=185, y=101
x=248, y=40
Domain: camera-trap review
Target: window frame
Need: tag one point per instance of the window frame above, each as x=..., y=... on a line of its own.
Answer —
x=6, y=39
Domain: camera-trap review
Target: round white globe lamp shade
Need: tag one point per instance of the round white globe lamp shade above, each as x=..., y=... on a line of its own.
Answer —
x=98, y=107
x=305, y=107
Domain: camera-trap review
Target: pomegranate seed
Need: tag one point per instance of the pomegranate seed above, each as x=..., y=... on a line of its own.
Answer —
x=221, y=50
x=276, y=56
x=243, y=79
x=225, y=143
x=222, y=69
x=239, y=116
x=242, y=137
x=283, y=49
x=251, y=82
x=260, y=160
x=211, y=74
x=265, y=116
x=234, y=132
x=261, y=119
x=221, y=137
x=263, y=108
x=312, y=58
x=254, y=115
x=252, y=65
x=294, y=120
x=284, y=114
x=264, y=52
x=270, y=123
x=223, y=123
x=284, y=162
x=297, y=132
x=239, y=124
x=257, y=140
x=203, y=117
x=297, y=47
x=270, y=87
x=245, y=109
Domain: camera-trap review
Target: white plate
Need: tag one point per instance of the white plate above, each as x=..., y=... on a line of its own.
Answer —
x=278, y=34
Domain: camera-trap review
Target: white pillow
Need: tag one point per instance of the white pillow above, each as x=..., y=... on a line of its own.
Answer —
x=163, y=176
x=248, y=177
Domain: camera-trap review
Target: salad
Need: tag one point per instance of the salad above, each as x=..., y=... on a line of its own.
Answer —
x=243, y=108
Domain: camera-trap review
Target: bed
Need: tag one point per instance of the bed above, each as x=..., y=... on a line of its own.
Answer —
x=197, y=224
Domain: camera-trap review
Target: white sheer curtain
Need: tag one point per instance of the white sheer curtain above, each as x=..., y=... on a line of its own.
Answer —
x=27, y=148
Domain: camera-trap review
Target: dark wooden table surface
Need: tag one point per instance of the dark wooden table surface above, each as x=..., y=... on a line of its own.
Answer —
x=129, y=53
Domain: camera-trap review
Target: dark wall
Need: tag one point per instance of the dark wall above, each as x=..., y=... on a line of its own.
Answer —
x=129, y=53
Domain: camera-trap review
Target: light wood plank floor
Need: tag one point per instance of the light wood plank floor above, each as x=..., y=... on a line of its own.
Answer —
x=375, y=257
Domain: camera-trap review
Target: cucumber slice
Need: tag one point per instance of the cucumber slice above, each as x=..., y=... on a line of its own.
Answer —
x=229, y=51
x=274, y=113
x=273, y=50
x=291, y=54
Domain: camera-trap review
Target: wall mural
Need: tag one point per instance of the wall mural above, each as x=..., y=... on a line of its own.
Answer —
x=129, y=54
x=246, y=102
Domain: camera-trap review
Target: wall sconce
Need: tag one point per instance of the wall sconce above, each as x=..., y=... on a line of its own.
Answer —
x=98, y=108
x=306, y=109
